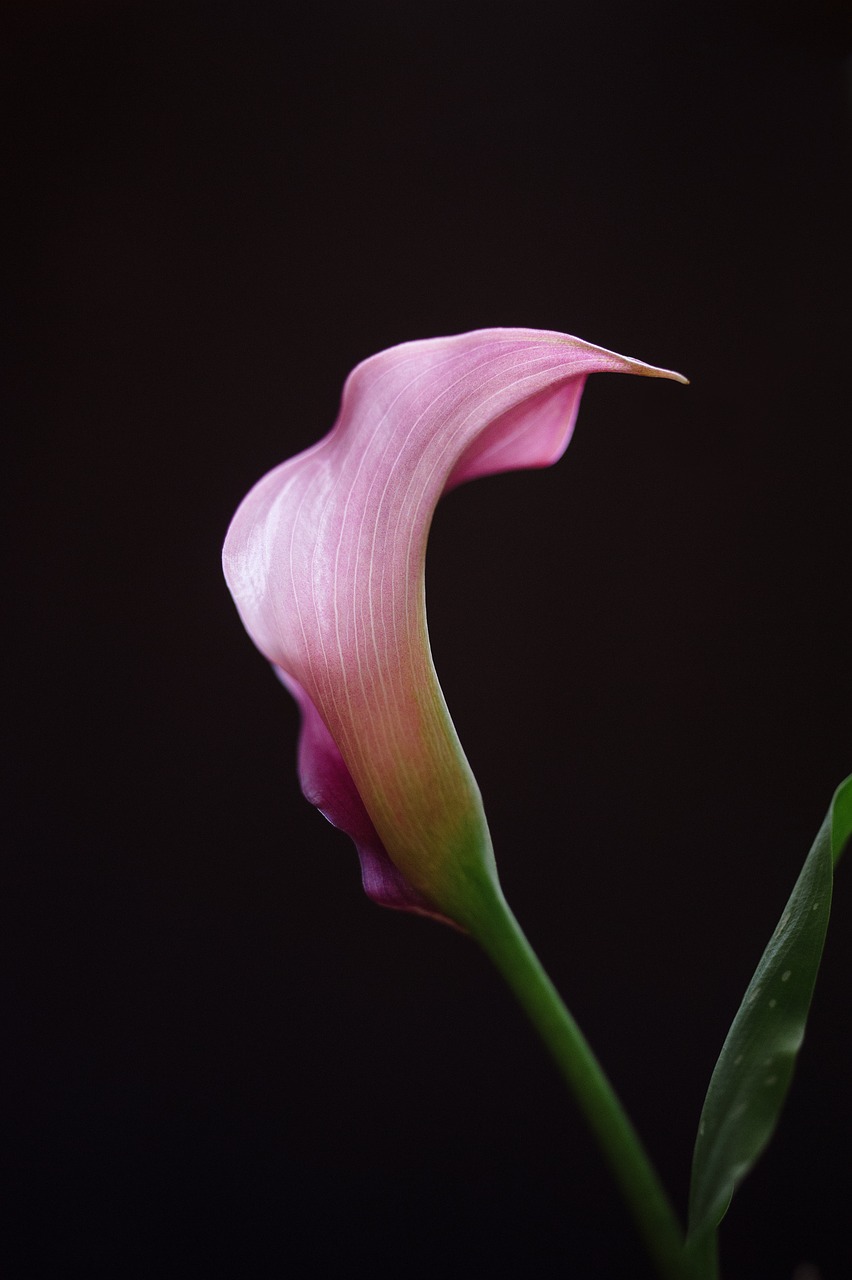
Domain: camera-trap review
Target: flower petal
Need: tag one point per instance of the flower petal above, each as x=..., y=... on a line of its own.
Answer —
x=328, y=785
x=326, y=556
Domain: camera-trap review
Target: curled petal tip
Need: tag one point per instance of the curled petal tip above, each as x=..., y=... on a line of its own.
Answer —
x=652, y=371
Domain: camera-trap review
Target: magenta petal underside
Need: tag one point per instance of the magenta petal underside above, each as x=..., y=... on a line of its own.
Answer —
x=327, y=784
x=325, y=559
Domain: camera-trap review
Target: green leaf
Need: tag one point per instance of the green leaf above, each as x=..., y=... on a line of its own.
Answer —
x=751, y=1078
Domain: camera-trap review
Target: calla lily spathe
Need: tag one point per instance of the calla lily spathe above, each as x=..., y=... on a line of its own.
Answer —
x=325, y=560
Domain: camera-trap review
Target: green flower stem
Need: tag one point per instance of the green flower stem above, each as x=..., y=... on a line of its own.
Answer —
x=503, y=940
x=704, y=1254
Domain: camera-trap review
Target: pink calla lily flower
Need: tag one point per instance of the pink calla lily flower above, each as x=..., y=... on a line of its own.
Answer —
x=325, y=560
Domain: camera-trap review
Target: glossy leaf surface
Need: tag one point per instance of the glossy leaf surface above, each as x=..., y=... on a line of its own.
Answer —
x=753, y=1073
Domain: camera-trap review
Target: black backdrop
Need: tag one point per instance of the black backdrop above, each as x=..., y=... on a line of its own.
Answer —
x=221, y=1059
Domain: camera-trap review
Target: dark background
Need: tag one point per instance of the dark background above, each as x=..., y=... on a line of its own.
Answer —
x=221, y=1059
